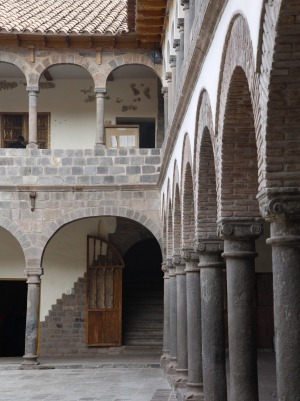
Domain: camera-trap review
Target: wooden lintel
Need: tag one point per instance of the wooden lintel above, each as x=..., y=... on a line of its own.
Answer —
x=151, y=5
x=47, y=75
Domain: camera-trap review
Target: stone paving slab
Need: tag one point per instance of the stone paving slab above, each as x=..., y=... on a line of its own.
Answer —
x=108, y=384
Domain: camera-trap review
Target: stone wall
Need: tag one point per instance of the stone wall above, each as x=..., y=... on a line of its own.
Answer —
x=79, y=167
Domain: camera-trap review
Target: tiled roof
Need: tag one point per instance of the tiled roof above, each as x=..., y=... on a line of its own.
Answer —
x=64, y=16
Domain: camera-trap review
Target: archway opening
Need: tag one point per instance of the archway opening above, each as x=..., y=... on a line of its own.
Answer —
x=64, y=294
x=143, y=295
x=13, y=301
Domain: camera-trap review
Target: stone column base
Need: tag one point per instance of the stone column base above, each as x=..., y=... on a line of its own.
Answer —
x=171, y=367
x=29, y=362
x=164, y=361
x=194, y=392
x=180, y=378
x=32, y=145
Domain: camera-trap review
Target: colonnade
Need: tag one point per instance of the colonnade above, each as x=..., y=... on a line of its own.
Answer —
x=33, y=92
x=233, y=250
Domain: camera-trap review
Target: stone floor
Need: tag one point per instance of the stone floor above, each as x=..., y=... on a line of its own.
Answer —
x=104, y=378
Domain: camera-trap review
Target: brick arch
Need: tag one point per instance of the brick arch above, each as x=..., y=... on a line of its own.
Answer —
x=121, y=211
x=176, y=211
x=17, y=61
x=238, y=51
x=238, y=175
x=169, y=229
x=206, y=210
x=129, y=59
x=70, y=59
x=187, y=191
x=280, y=95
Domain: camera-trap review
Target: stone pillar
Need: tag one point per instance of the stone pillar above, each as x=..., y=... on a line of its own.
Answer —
x=32, y=116
x=180, y=26
x=185, y=4
x=282, y=210
x=176, y=47
x=172, y=61
x=32, y=315
x=166, y=334
x=100, y=129
x=170, y=95
x=171, y=368
x=212, y=313
x=239, y=252
x=164, y=91
x=182, y=358
x=194, y=336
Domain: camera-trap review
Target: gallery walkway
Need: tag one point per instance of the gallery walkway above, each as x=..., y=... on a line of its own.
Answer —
x=104, y=378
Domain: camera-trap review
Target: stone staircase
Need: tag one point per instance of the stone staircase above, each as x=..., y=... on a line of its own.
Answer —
x=143, y=317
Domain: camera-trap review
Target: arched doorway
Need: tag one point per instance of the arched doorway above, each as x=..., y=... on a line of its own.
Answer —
x=143, y=295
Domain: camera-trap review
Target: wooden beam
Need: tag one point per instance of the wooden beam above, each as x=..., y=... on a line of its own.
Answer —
x=48, y=76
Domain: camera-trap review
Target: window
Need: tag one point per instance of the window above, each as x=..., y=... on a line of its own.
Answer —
x=118, y=136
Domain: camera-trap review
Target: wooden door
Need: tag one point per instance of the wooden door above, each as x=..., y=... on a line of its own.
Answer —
x=14, y=124
x=104, y=294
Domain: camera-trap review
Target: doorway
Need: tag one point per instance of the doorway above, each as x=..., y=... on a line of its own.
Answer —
x=143, y=295
x=146, y=129
x=13, y=304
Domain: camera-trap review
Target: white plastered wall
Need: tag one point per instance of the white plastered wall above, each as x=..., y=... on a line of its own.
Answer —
x=208, y=79
x=11, y=256
x=73, y=108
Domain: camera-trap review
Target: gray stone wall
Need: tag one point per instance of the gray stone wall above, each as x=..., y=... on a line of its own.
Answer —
x=79, y=167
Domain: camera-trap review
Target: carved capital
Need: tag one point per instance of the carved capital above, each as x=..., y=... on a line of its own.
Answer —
x=172, y=61
x=189, y=255
x=209, y=246
x=168, y=76
x=164, y=91
x=180, y=24
x=278, y=206
x=185, y=4
x=176, y=44
x=240, y=228
x=176, y=260
x=169, y=264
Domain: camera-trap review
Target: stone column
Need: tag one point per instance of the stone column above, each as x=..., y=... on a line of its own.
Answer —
x=172, y=61
x=32, y=116
x=194, y=336
x=166, y=334
x=239, y=252
x=100, y=129
x=176, y=47
x=171, y=368
x=164, y=91
x=212, y=313
x=186, y=5
x=180, y=26
x=282, y=210
x=32, y=315
x=182, y=358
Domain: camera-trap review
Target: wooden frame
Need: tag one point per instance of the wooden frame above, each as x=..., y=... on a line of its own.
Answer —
x=122, y=136
x=24, y=128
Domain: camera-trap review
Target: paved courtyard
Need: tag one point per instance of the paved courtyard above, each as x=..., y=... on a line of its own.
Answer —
x=104, y=378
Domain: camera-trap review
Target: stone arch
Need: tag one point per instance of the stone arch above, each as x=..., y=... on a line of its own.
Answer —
x=17, y=61
x=187, y=191
x=176, y=212
x=205, y=171
x=237, y=52
x=127, y=59
x=19, y=235
x=280, y=95
x=67, y=58
x=238, y=176
x=120, y=211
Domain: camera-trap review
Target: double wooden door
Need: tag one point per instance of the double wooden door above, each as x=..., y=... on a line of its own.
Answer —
x=104, y=294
